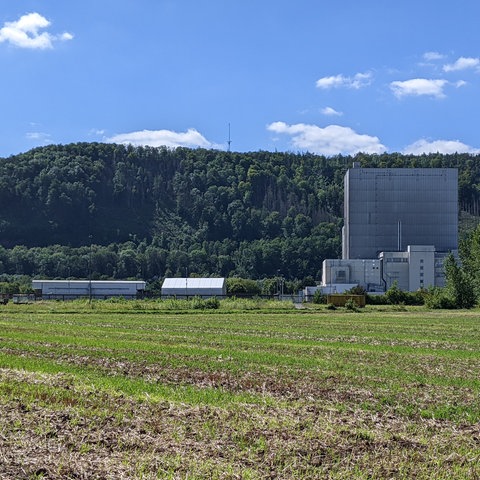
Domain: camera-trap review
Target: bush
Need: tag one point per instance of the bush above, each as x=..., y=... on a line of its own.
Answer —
x=376, y=300
x=319, y=297
x=351, y=305
x=394, y=295
x=198, y=303
x=438, y=298
x=358, y=290
x=242, y=286
x=212, y=303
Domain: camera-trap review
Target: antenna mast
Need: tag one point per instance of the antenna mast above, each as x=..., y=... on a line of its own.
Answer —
x=229, y=141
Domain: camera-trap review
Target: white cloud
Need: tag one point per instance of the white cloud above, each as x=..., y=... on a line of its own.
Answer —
x=331, y=82
x=329, y=111
x=439, y=146
x=463, y=63
x=156, y=138
x=431, y=56
x=66, y=36
x=356, y=82
x=418, y=87
x=331, y=140
x=25, y=32
x=96, y=132
x=39, y=137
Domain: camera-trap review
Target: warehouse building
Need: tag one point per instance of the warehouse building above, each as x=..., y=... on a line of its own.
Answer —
x=194, y=287
x=97, y=289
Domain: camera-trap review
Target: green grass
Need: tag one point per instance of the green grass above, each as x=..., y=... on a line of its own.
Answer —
x=251, y=390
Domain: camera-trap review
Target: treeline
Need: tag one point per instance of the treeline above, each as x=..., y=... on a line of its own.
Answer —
x=290, y=258
x=115, y=211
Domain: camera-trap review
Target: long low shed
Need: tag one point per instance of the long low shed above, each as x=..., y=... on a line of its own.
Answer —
x=191, y=287
x=69, y=289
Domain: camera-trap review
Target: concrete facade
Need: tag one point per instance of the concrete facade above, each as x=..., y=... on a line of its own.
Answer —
x=386, y=209
x=352, y=272
x=419, y=266
x=399, y=225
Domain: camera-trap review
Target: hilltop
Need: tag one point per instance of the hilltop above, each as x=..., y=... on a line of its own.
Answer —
x=150, y=212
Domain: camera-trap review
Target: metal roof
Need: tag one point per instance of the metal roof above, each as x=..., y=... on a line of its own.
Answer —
x=194, y=283
x=93, y=282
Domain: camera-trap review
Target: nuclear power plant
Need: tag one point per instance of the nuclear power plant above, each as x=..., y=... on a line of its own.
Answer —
x=399, y=225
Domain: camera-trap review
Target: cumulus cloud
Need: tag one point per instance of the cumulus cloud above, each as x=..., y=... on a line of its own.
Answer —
x=418, y=87
x=432, y=56
x=439, y=146
x=329, y=111
x=463, y=63
x=156, y=138
x=331, y=140
x=356, y=82
x=39, y=137
x=25, y=32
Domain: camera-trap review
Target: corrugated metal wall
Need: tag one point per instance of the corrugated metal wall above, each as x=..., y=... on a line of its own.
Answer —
x=390, y=208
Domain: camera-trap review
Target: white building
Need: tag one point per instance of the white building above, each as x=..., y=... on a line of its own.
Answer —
x=417, y=267
x=100, y=289
x=192, y=287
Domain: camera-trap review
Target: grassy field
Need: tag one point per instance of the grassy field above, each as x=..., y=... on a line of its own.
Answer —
x=151, y=390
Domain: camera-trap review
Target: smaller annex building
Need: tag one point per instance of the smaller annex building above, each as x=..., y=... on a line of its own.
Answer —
x=98, y=289
x=194, y=287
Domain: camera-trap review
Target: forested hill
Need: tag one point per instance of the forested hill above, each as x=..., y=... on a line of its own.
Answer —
x=213, y=212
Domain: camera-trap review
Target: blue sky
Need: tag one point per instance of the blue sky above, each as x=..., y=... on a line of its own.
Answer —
x=327, y=77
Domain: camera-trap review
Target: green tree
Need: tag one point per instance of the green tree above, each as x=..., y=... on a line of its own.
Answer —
x=470, y=258
x=242, y=286
x=394, y=295
x=459, y=285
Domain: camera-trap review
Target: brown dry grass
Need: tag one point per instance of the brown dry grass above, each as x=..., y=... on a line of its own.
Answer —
x=84, y=433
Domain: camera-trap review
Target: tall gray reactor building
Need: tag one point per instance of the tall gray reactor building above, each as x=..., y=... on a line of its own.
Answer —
x=387, y=209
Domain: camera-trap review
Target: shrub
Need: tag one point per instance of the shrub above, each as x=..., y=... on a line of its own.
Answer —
x=242, y=286
x=319, y=297
x=394, y=295
x=438, y=298
x=357, y=290
x=198, y=303
x=376, y=300
x=212, y=303
x=351, y=305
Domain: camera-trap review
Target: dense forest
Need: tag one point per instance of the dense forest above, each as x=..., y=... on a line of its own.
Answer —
x=114, y=211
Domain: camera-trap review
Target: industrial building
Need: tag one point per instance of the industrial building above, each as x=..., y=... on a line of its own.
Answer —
x=194, y=287
x=399, y=226
x=97, y=289
x=387, y=209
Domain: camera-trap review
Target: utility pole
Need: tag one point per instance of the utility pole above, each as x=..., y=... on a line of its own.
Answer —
x=90, y=271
